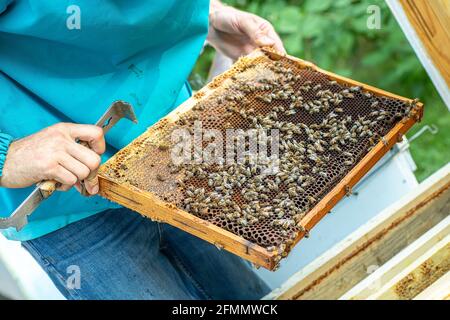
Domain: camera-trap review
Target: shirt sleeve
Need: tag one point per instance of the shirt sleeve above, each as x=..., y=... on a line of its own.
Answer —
x=5, y=141
x=4, y=4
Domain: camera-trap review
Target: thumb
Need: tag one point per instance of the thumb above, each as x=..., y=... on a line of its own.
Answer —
x=92, y=185
x=263, y=40
x=256, y=30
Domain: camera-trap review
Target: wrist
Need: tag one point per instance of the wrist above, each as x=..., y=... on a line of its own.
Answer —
x=5, y=142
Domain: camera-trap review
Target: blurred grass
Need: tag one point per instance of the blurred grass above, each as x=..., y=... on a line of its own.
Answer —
x=334, y=35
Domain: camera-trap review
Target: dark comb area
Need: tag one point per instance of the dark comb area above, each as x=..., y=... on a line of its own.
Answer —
x=325, y=129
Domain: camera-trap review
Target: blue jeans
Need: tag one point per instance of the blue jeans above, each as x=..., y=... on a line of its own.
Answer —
x=118, y=254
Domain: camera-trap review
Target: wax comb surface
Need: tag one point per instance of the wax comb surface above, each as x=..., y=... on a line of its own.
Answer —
x=332, y=131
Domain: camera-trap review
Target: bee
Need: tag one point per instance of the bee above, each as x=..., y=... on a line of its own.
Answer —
x=374, y=104
x=306, y=233
x=198, y=107
x=305, y=88
x=161, y=177
x=287, y=223
x=290, y=112
x=335, y=147
x=292, y=192
x=182, y=121
x=280, y=214
x=415, y=101
x=230, y=216
x=282, y=247
x=180, y=183
x=318, y=147
x=347, y=154
x=266, y=99
x=163, y=147
x=253, y=220
x=311, y=199
x=265, y=214
x=336, y=101
x=348, y=162
x=174, y=169
x=348, y=95
x=300, y=227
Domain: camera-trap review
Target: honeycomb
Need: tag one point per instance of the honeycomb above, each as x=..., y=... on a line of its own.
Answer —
x=326, y=127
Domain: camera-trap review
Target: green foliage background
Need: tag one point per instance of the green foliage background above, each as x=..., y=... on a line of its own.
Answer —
x=334, y=35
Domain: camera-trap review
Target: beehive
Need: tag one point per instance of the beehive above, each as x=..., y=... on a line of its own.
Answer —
x=142, y=176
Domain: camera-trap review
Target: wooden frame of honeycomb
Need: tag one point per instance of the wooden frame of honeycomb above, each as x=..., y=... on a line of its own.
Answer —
x=116, y=187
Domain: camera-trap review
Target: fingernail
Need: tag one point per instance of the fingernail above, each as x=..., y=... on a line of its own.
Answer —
x=95, y=189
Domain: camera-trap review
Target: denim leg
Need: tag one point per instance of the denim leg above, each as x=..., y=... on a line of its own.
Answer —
x=216, y=274
x=118, y=255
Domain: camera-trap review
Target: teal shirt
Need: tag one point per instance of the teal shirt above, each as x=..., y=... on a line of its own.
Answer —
x=139, y=51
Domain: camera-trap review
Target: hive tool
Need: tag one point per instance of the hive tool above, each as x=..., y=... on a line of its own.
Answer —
x=19, y=218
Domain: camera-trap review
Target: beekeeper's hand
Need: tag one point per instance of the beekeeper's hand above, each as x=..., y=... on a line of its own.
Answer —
x=236, y=33
x=54, y=154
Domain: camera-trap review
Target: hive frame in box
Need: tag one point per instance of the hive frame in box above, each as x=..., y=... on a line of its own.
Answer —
x=339, y=269
x=151, y=206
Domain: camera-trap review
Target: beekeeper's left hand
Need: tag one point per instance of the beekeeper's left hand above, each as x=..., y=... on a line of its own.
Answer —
x=236, y=33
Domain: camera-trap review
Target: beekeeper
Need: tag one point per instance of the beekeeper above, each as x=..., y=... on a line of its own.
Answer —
x=62, y=63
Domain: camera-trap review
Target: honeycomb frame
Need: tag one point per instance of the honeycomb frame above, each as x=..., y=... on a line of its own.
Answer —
x=163, y=209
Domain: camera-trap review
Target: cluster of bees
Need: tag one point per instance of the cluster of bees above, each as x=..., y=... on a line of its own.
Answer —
x=321, y=138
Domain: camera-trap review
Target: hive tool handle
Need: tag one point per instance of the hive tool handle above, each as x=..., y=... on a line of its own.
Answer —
x=19, y=218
